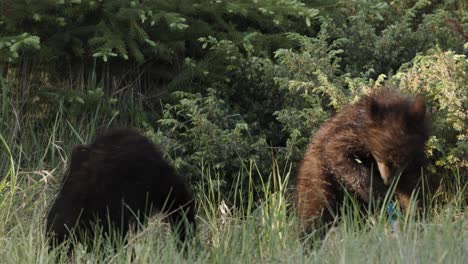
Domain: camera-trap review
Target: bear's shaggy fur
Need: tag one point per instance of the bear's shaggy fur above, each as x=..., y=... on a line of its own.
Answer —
x=118, y=181
x=385, y=129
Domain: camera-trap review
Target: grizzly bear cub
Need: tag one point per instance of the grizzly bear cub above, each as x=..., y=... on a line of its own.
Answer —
x=118, y=181
x=383, y=128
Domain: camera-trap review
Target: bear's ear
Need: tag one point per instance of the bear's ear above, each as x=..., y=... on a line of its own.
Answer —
x=418, y=108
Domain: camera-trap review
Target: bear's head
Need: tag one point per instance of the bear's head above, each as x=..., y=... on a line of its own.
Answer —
x=397, y=130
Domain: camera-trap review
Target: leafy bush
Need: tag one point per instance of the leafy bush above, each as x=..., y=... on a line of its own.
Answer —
x=379, y=37
x=278, y=101
x=202, y=131
x=314, y=89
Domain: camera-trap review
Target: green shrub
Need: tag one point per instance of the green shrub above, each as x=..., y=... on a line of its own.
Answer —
x=379, y=37
x=203, y=131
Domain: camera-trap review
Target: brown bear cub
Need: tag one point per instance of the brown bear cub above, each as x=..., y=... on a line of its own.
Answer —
x=118, y=181
x=383, y=128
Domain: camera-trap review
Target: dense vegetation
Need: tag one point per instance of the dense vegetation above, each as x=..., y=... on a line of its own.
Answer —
x=231, y=91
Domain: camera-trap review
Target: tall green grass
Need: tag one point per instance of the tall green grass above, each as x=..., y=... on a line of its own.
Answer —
x=232, y=228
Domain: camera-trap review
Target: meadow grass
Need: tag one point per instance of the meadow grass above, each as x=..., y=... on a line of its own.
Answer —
x=257, y=228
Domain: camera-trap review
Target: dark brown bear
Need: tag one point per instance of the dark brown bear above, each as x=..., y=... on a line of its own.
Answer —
x=119, y=180
x=384, y=128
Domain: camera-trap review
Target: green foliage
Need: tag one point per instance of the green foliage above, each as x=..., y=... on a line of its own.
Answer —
x=312, y=88
x=124, y=33
x=285, y=95
x=46, y=104
x=299, y=121
x=87, y=28
x=380, y=41
x=11, y=46
x=312, y=68
x=203, y=131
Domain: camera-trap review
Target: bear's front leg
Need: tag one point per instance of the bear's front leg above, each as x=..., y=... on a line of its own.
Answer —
x=408, y=184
